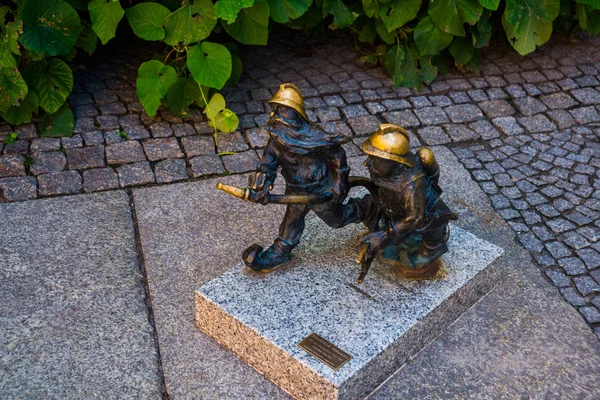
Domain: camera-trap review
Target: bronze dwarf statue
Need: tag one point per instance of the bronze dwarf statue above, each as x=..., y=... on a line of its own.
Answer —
x=404, y=200
x=313, y=165
x=415, y=219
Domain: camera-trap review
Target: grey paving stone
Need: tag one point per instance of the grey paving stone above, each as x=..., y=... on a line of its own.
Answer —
x=98, y=179
x=464, y=113
x=573, y=297
x=198, y=145
x=404, y=118
x=139, y=173
x=231, y=142
x=93, y=138
x=558, y=249
x=433, y=135
x=74, y=318
x=82, y=125
x=86, y=157
x=107, y=122
x=558, y=100
x=585, y=115
x=240, y=162
x=558, y=278
x=365, y=125
x=460, y=133
x=586, y=285
x=124, y=152
x=12, y=165
x=529, y=106
x=537, y=123
x=590, y=257
x=67, y=182
x=47, y=162
x=18, y=188
x=71, y=142
x=206, y=165
x=45, y=144
x=572, y=265
x=508, y=125
x=353, y=111
x=431, y=115
x=168, y=171
x=181, y=130
x=591, y=314
x=586, y=95
x=161, y=130
x=373, y=107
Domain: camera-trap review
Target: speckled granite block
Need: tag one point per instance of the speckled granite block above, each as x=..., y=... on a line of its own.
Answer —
x=382, y=323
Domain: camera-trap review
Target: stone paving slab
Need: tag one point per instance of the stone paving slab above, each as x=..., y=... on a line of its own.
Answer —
x=73, y=318
x=191, y=233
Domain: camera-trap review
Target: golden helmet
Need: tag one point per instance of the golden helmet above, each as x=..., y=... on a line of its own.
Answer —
x=289, y=95
x=390, y=142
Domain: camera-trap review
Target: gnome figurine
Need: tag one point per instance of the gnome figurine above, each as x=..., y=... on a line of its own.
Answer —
x=415, y=230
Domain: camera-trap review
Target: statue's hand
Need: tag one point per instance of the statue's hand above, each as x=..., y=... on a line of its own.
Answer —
x=258, y=182
x=376, y=240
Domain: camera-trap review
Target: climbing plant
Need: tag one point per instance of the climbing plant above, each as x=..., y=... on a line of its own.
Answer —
x=414, y=39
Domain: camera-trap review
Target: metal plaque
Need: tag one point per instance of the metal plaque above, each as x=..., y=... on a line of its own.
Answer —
x=324, y=351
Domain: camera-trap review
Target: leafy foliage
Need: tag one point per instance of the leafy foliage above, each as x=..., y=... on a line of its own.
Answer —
x=414, y=40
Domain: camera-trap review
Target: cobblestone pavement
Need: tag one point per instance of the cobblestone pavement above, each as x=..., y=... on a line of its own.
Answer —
x=527, y=128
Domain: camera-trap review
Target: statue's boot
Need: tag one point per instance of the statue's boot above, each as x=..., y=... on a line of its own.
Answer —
x=277, y=255
x=426, y=255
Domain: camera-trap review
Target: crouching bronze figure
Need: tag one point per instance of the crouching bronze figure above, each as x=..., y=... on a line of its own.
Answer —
x=415, y=219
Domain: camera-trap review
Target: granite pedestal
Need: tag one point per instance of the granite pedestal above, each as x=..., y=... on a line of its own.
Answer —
x=382, y=323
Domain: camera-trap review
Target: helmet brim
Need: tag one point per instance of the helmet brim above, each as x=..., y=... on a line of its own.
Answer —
x=408, y=159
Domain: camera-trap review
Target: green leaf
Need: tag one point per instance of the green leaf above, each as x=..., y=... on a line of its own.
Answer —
x=12, y=86
x=408, y=68
x=88, y=39
x=369, y=7
x=462, y=50
x=429, y=39
x=282, y=11
x=225, y=121
x=535, y=32
x=475, y=63
x=191, y=23
x=52, y=81
x=520, y=13
x=342, y=16
x=50, y=27
x=387, y=37
x=490, y=4
x=393, y=61
x=10, y=38
x=428, y=71
x=183, y=93
x=482, y=32
x=215, y=105
x=450, y=15
x=58, y=124
x=17, y=115
x=593, y=3
x=147, y=20
x=229, y=9
x=105, y=16
x=589, y=19
x=153, y=82
x=210, y=64
x=400, y=13
x=251, y=25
